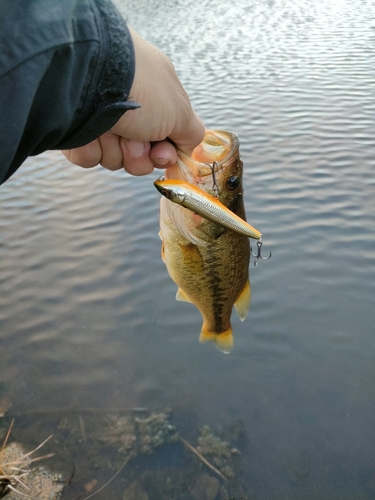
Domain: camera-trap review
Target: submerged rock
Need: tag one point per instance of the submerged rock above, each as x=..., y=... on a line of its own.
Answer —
x=216, y=451
x=206, y=487
x=135, y=435
x=135, y=492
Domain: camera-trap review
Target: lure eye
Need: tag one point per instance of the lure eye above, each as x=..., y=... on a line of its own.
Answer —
x=166, y=193
x=232, y=182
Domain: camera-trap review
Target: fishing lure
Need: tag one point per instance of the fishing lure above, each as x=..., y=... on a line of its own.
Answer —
x=205, y=205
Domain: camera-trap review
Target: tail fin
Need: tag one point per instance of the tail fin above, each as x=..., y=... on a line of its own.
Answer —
x=223, y=341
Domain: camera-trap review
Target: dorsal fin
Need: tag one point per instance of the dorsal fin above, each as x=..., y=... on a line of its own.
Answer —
x=242, y=304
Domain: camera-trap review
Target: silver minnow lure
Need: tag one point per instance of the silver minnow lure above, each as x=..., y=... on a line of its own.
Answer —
x=205, y=205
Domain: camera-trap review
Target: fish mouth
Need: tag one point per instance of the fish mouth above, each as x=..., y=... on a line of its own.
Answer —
x=213, y=154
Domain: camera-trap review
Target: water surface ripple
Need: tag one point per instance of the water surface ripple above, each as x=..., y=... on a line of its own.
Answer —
x=87, y=310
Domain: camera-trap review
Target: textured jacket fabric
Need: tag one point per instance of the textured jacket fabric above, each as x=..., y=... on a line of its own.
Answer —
x=66, y=69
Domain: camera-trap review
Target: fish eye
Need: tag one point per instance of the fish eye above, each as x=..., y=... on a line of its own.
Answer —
x=232, y=182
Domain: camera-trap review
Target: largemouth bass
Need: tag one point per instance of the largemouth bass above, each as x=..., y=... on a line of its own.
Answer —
x=209, y=263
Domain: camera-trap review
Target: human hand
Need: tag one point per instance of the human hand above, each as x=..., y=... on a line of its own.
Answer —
x=141, y=139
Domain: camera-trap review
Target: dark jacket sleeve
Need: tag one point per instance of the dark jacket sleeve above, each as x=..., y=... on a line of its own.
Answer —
x=66, y=69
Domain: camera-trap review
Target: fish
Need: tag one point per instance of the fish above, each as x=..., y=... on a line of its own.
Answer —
x=204, y=204
x=208, y=262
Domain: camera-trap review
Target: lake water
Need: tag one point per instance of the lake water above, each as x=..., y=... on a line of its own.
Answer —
x=88, y=317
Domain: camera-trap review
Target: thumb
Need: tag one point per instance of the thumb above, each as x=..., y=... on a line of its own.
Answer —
x=190, y=136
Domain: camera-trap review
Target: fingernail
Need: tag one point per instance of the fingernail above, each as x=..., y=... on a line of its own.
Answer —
x=135, y=148
x=162, y=161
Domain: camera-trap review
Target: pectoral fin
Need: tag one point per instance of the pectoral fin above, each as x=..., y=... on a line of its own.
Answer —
x=242, y=304
x=223, y=341
x=181, y=295
x=163, y=252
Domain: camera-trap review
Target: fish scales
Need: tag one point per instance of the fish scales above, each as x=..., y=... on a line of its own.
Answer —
x=225, y=277
x=211, y=276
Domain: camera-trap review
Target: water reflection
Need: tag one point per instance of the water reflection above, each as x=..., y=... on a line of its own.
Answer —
x=87, y=313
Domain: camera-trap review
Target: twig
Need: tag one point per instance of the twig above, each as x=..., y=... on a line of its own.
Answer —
x=7, y=436
x=26, y=455
x=82, y=428
x=194, y=450
x=53, y=411
x=111, y=479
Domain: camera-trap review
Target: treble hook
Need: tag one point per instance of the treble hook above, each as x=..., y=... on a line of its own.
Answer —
x=258, y=255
